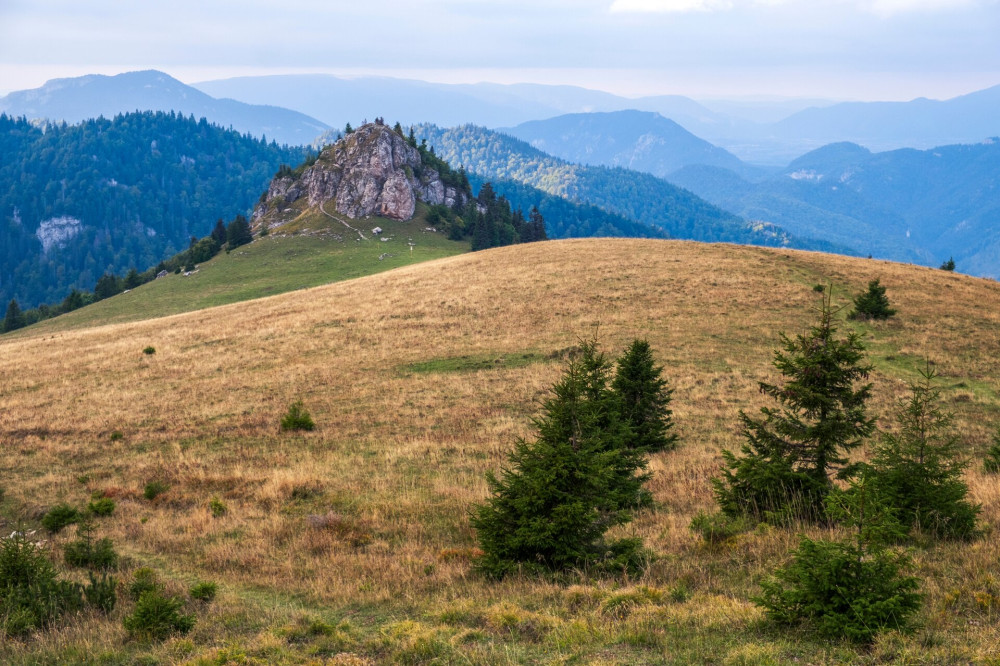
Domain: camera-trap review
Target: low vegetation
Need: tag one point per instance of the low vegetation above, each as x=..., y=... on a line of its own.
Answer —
x=353, y=542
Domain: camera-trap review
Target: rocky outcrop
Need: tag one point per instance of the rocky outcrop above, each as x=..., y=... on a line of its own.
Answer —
x=372, y=171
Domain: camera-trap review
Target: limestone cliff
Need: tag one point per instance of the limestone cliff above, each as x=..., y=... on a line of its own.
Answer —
x=371, y=171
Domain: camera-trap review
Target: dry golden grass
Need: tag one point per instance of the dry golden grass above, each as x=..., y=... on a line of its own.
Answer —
x=365, y=518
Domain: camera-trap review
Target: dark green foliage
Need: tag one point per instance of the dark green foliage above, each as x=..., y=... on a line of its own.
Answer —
x=86, y=552
x=102, y=593
x=872, y=304
x=789, y=452
x=558, y=494
x=149, y=351
x=59, y=517
x=30, y=595
x=919, y=468
x=645, y=399
x=348, y=129
x=297, y=418
x=14, y=319
x=238, y=232
x=847, y=589
x=219, y=233
x=174, y=174
x=157, y=616
x=101, y=506
x=991, y=463
x=107, y=286
x=154, y=489
x=203, y=591
x=143, y=580
x=948, y=265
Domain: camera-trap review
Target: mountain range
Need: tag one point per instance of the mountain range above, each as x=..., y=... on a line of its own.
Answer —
x=76, y=99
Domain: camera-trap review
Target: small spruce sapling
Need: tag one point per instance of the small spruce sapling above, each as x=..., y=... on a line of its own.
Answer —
x=645, y=399
x=872, y=303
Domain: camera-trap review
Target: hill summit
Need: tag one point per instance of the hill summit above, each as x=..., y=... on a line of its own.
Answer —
x=373, y=170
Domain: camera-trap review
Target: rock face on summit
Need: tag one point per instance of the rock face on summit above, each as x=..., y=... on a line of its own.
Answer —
x=372, y=171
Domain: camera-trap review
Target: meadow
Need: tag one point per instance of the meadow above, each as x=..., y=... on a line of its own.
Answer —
x=351, y=544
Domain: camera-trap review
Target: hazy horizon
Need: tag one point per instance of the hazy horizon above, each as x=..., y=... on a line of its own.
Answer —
x=704, y=49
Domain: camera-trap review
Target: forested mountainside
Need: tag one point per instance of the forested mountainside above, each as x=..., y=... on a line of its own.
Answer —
x=908, y=205
x=637, y=196
x=106, y=195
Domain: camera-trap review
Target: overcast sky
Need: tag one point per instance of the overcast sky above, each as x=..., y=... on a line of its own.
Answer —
x=840, y=49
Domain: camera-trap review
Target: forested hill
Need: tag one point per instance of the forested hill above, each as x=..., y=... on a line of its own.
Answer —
x=77, y=201
x=636, y=196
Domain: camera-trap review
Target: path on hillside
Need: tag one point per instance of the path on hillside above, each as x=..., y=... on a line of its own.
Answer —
x=323, y=210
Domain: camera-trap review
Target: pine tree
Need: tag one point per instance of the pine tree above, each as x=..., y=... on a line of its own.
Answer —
x=644, y=398
x=107, y=286
x=789, y=453
x=14, y=318
x=238, y=232
x=919, y=469
x=853, y=588
x=537, y=225
x=219, y=233
x=948, y=265
x=559, y=494
x=872, y=304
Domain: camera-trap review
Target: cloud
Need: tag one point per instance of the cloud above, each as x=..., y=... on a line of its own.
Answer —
x=878, y=7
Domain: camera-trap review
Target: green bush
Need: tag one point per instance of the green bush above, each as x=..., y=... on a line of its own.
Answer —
x=30, y=595
x=59, y=517
x=149, y=351
x=102, y=593
x=143, y=580
x=101, y=506
x=217, y=507
x=297, y=418
x=85, y=552
x=154, y=489
x=204, y=591
x=156, y=617
x=991, y=463
x=872, y=304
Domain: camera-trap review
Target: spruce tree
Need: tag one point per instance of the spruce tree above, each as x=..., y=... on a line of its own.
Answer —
x=219, y=233
x=238, y=232
x=537, y=225
x=14, y=319
x=872, y=303
x=919, y=468
x=790, y=451
x=552, y=503
x=644, y=398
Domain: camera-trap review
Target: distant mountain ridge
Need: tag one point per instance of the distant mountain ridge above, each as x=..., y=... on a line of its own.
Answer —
x=907, y=205
x=82, y=98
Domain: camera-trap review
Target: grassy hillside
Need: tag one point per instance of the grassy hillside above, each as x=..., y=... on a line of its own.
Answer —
x=353, y=540
x=311, y=251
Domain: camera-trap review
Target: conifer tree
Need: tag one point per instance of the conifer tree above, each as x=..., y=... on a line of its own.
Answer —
x=872, y=303
x=536, y=223
x=644, y=398
x=919, y=469
x=789, y=453
x=238, y=232
x=14, y=319
x=551, y=505
x=219, y=233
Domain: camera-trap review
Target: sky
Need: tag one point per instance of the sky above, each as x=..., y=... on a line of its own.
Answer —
x=834, y=49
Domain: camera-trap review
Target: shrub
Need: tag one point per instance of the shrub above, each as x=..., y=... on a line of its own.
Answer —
x=297, y=418
x=217, y=507
x=156, y=617
x=149, y=351
x=847, y=589
x=154, y=489
x=204, y=591
x=102, y=593
x=118, y=435
x=85, y=552
x=143, y=580
x=948, y=265
x=59, y=517
x=872, y=304
x=991, y=463
x=101, y=506
x=30, y=595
